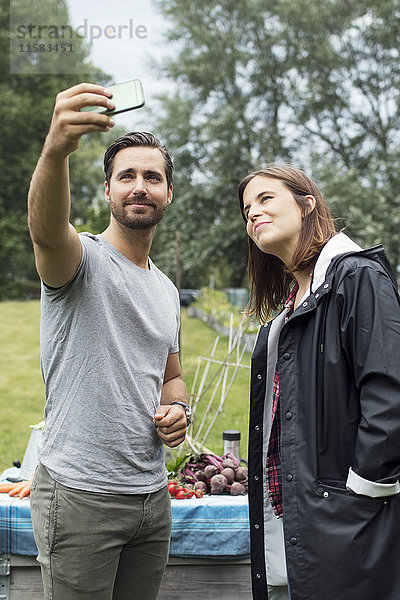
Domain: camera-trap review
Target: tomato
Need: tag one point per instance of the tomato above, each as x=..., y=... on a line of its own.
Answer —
x=180, y=495
x=198, y=493
x=172, y=488
x=180, y=488
x=189, y=493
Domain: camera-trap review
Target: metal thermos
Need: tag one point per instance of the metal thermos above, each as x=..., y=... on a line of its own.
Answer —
x=231, y=439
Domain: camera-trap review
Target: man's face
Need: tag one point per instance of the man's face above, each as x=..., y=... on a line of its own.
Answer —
x=138, y=193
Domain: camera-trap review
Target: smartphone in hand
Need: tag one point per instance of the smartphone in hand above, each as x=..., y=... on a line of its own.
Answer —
x=126, y=96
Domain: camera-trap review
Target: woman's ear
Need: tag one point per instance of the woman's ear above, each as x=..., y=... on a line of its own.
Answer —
x=311, y=202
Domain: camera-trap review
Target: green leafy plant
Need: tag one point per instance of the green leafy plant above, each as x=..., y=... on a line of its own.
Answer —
x=215, y=304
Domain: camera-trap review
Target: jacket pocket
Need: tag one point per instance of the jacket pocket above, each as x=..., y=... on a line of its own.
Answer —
x=335, y=483
x=336, y=488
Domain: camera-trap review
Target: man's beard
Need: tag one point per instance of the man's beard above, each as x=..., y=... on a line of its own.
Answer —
x=141, y=218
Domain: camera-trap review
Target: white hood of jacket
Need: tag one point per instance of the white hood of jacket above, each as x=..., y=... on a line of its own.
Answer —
x=339, y=244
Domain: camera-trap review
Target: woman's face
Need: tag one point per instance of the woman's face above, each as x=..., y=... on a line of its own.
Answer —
x=274, y=219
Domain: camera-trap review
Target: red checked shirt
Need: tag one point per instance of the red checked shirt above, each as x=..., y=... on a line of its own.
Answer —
x=274, y=471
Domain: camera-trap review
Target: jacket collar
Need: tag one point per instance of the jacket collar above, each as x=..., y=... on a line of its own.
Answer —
x=339, y=244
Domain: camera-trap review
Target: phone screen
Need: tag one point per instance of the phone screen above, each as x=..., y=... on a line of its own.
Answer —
x=126, y=96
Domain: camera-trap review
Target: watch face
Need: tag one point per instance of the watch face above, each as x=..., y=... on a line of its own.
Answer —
x=188, y=415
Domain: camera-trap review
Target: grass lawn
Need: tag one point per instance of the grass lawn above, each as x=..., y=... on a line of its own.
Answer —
x=21, y=386
x=197, y=339
x=22, y=390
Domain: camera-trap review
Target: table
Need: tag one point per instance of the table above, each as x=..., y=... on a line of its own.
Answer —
x=209, y=554
x=212, y=526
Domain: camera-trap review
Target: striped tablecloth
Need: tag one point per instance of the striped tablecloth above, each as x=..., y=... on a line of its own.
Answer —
x=16, y=535
x=212, y=526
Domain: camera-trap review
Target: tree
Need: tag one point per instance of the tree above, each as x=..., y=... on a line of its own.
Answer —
x=314, y=82
x=25, y=112
x=218, y=125
x=344, y=96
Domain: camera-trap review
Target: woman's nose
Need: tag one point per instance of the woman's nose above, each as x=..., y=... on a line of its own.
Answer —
x=253, y=212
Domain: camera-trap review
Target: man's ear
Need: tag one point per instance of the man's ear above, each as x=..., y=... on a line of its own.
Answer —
x=311, y=202
x=170, y=194
x=106, y=192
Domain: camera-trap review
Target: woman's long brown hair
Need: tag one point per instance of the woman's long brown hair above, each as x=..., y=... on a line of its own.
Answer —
x=270, y=278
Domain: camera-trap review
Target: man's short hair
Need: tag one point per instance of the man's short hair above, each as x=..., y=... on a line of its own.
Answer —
x=130, y=140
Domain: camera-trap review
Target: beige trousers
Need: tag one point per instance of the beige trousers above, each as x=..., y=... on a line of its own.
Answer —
x=99, y=546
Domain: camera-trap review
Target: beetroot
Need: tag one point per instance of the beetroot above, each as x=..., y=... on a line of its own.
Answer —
x=229, y=460
x=229, y=463
x=204, y=467
x=200, y=475
x=218, y=483
x=210, y=471
x=241, y=474
x=237, y=489
x=201, y=485
x=229, y=474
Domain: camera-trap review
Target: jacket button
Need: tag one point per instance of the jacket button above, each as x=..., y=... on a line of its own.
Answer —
x=289, y=477
x=305, y=304
x=255, y=477
x=288, y=415
x=326, y=286
x=258, y=575
x=259, y=376
x=317, y=295
x=256, y=526
x=293, y=541
x=286, y=356
x=257, y=428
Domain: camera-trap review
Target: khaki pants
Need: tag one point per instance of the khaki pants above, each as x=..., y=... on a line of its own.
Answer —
x=99, y=546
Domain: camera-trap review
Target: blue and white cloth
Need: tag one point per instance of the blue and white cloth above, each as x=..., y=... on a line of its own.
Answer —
x=216, y=526
x=212, y=526
x=16, y=535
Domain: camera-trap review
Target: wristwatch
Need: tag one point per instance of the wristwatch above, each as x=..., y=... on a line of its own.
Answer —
x=188, y=411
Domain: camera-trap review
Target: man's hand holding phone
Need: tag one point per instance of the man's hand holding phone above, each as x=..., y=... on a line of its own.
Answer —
x=87, y=108
x=69, y=122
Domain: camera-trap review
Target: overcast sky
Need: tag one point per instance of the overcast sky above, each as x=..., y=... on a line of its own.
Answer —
x=124, y=37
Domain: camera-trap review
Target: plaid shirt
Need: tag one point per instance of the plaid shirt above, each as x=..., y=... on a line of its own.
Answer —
x=274, y=471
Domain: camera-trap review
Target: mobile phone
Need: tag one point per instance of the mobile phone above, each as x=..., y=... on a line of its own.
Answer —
x=126, y=96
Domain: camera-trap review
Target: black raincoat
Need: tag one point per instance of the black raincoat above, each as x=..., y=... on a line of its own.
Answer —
x=339, y=375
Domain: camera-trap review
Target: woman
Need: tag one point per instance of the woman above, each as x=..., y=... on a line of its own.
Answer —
x=324, y=444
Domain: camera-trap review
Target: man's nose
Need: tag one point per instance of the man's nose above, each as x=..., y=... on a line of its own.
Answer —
x=140, y=184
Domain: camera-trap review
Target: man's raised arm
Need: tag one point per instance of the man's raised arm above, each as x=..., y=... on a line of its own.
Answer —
x=56, y=244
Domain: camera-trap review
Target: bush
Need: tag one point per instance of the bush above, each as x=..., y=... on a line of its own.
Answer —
x=215, y=306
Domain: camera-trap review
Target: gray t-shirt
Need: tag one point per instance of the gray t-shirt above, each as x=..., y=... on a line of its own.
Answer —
x=105, y=340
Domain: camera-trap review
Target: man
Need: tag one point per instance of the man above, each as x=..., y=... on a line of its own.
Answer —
x=109, y=352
